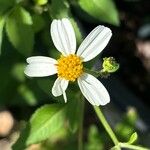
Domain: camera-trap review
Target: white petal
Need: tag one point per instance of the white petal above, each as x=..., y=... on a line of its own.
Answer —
x=93, y=90
x=94, y=43
x=64, y=96
x=63, y=36
x=41, y=59
x=40, y=69
x=60, y=87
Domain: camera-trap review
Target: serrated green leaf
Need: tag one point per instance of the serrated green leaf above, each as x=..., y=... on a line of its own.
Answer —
x=19, y=30
x=102, y=10
x=45, y=122
x=2, y=22
x=133, y=138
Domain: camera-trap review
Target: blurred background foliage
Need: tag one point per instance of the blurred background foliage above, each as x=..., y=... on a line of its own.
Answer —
x=24, y=32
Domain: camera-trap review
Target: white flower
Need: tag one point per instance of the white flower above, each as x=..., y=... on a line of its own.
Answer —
x=69, y=66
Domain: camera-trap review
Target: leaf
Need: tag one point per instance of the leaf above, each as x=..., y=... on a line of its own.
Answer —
x=127, y=126
x=133, y=138
x=19, y=30
x=2, y=22
x=5, y=5
x=102, y=10
x=45, y=122
x=59, y=9
x=38, y=23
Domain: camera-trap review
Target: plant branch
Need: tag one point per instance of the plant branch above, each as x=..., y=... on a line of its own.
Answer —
x=106, y=125
x=134, y=147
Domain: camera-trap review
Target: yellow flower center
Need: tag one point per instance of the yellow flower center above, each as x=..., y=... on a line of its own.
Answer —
x=69, y=67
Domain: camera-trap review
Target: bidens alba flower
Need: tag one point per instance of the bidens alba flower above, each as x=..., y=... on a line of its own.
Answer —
x=69, y=66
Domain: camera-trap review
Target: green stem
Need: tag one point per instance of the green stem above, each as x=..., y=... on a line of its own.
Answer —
x=80, y=133
x=102, y=73
x=134, y=147
x=106, y=125
x=93, y=72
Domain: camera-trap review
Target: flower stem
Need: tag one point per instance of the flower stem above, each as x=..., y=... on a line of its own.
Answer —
x=80, y=132
x=102, y=73
x=134, y=147
x=106, y=125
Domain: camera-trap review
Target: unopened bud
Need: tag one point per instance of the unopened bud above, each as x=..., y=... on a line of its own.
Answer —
x=110, y=65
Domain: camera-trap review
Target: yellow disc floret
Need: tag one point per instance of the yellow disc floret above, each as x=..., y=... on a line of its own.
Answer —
x=69, y=67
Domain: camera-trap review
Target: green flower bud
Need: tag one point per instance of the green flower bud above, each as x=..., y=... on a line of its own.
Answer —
x=40, y=2
x=110, y=65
